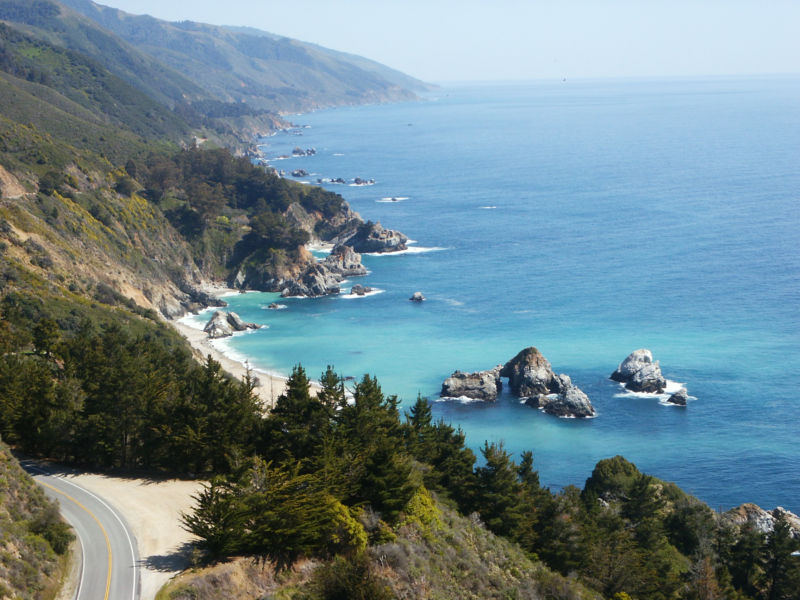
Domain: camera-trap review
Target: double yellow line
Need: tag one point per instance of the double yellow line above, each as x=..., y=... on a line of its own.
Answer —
x=99, y=524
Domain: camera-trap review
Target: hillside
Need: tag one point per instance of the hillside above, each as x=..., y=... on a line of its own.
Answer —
x=33, y=538
x=263, y=70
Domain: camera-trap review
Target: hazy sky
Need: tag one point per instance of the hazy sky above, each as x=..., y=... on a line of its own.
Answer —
x=460, y=40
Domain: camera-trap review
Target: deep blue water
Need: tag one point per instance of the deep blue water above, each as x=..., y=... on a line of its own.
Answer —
x=624, y=214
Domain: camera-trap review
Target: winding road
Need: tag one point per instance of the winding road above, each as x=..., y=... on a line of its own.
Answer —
x=109, y=559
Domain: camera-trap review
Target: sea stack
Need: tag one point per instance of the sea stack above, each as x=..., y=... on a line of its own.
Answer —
x=417, y=297
x=532, y=379
x=640, y=373
x=481, y=385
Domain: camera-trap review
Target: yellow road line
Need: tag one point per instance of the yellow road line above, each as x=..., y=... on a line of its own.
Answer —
x=103, y=529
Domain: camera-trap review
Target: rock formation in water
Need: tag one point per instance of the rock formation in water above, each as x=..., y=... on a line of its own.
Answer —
x=640, y=373
x=372, y=237
x=532, y=379
x=222, y=324
x=360, y=290
x=680, y=397
x=417, y=297
x=345, y=261
x=481, y=385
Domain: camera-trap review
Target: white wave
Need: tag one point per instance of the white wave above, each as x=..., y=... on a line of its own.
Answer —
x=323, y=247
x=338, y=154
x=362, y=184
x=487, y=207
x=461, y=399
x=409, y=250
x=392, y=199
x=671, y=388
x=193, y=321
x=373, y=292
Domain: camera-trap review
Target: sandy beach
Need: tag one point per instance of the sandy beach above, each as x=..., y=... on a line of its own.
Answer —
x=269, y=386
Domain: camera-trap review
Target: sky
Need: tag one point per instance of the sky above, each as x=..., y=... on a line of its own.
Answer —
x=485, y=40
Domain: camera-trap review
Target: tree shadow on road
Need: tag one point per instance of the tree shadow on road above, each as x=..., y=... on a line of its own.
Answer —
x=178, y=560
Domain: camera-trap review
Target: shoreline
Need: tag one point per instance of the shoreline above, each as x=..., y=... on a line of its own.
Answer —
x=268, y=385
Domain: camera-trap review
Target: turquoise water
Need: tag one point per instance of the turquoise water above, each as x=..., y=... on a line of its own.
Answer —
x=588, y=219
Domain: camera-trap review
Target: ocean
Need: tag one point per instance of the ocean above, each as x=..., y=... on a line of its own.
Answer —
x=588, y=219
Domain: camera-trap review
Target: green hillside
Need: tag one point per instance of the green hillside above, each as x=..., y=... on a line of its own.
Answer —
x=265, y=71
x=58, y=25
x=33, y=538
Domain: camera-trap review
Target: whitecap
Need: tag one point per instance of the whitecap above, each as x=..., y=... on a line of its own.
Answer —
x=362, y=184
x=453, y=302
x=338, y=154
x=487, y=207
x=392, y=200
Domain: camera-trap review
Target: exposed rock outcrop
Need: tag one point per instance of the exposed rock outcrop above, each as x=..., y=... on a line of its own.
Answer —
x=345, y=261
x=531, y=377
x=222, y=324
x=481, y=385
x=372, y=237
x=569, y=401
x=10, y=187
x=417, y=297
x=680, y=397
x=640, y=373
x=529, y=374
x=760, y=519
x=360, y=290
x=316, y=280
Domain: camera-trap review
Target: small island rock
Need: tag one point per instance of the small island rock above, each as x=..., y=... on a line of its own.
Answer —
x=531, y=377
x=569, y=402
x=360, y=290
x=680, y=397
x=417, y=297
x=529, y=374
x=640, y=373
x=481, y=385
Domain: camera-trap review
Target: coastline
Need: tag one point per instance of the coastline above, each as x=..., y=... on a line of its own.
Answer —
x=269, y=385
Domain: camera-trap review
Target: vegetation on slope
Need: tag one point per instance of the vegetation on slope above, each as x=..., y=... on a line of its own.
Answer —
x=32, y=535
x=262, y=70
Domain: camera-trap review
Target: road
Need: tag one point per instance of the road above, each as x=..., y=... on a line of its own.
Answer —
x=109, y=559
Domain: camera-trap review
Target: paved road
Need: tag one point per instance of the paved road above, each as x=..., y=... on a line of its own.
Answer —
x=110, y=562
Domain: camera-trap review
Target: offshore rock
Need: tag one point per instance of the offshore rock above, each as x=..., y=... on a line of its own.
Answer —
x=360, y=290
x=640, y=373
x=680, y=397
x=529, y=374
x=372, y=237
x=345, y=261
x=481, y=385
x=417, y=297
x=570, y=402
x=531, y=377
